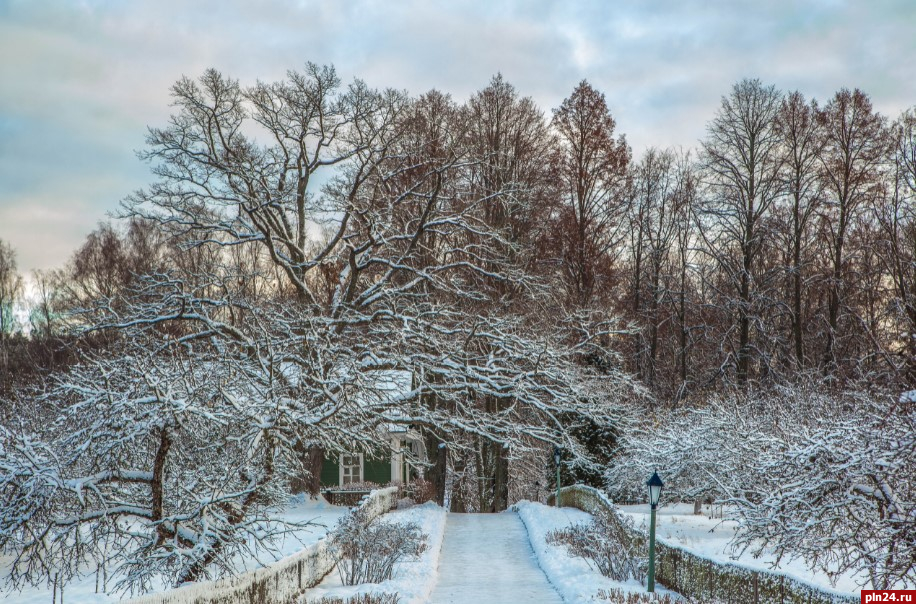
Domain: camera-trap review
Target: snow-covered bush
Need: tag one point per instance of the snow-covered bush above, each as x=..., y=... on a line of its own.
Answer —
x=700, y=453
x=617, y=596
x=361, y=599
x=840, y=495
x=367, y=551
x=827, y=477
x=702, y=579
x=608, y=542
x=416, y=492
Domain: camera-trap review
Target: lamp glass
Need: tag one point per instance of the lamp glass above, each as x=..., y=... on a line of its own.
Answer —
x=655, y=485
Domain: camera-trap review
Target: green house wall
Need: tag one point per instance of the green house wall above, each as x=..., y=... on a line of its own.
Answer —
x=377, y=470
x=330, y=472
x=374, y=470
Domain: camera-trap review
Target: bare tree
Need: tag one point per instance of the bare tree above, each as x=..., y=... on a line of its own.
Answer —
x=802, y=145
x=10, y=293
x=655, y=230
x=507, y=135
x=592, y=169
x=854, y=148
x=46, y=306
x=506, y=139
x=742, y=160
x=895, y=211
x=682, y=263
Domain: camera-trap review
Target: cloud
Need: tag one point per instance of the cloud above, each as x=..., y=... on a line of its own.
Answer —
x=82, y=80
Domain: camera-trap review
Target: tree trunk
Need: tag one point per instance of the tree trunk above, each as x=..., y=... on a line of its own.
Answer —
x=744, y=326
x=458, y=504
x=501, y=482
x=441, y=473
x=309, y=478
x=314, y=460
x=833, y=310
x=796, y=304
x=437, y=457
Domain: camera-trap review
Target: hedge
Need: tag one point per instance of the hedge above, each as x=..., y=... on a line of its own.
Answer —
x=706, y=580
x=278, y=583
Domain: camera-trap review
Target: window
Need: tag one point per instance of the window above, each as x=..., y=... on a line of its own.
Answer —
x=351, y=469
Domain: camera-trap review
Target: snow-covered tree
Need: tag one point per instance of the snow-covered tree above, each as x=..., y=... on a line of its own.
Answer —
x=359, y=219
x=156, y=467
x=807, y=473
x=839, y=494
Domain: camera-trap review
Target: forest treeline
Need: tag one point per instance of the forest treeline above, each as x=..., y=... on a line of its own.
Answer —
x=781, y=247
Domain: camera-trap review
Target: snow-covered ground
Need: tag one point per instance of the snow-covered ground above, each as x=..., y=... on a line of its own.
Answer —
x=413, y=580
x=572, y=577
x=710, y=538
x=301, y=509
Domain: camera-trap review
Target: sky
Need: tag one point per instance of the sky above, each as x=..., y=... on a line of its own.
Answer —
x=81, y=80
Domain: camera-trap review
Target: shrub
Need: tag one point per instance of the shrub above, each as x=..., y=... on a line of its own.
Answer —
x=359, y=486
x=368, y=550
x=422, y=491
x=617, y=596
x=607, y=542
x=361, y=599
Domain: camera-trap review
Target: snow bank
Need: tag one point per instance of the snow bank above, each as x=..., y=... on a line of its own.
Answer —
x=573, y=577
x=711, y=538
x=413, y=580
x=277, y=584
x=706, y=578
x=320, y=515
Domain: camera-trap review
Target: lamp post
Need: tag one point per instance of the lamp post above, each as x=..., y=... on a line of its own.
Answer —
x=556, y=461
x=655, y=485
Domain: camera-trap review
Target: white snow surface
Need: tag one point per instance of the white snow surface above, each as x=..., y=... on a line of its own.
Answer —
x=710, y=537
x=573, y=577
x=413, y=580
x=301, y=509
x=487, y=559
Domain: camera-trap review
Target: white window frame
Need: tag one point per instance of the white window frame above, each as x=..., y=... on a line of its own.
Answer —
x=340, y=468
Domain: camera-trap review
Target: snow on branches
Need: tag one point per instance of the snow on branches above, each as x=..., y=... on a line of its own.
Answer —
x=827, y=478
x=287, y=315
x=155, y=467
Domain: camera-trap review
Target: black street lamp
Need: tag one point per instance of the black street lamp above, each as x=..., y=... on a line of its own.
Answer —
x=556, y=461
x=655, y=485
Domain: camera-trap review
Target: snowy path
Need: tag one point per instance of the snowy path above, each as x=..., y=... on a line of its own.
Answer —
x=487, y=558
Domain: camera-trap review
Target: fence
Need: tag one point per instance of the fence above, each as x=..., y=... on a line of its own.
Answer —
x=278, y=583
x=706, y=580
